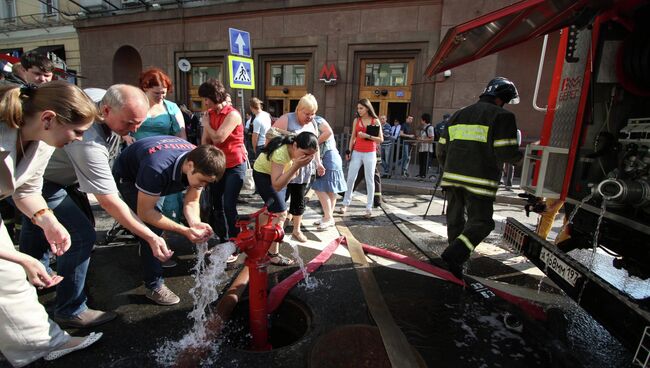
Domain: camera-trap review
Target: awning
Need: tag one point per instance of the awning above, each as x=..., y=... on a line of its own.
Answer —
x=507, y=27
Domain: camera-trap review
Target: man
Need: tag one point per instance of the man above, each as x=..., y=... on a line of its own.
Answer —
x=477, y=139
x=386, y=146
x=406, y=133
x=85, y=167
x=425, y=146
x=440, y=127
x=33, y=68
x=157, y=166
x=509, y=169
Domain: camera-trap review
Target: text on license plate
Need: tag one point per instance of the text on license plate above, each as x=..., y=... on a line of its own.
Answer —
x=557, y=265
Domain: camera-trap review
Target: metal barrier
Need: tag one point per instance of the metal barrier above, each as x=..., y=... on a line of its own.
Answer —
x=394, y=168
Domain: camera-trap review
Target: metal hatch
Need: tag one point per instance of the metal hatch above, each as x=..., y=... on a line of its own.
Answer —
x=507, y=27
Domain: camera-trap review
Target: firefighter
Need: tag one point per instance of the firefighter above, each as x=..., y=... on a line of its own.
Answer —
x=474, y=145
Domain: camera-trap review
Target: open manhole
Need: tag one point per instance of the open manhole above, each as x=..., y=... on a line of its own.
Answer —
x=287, y=325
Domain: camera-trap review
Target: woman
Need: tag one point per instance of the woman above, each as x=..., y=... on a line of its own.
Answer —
x=362, y=150
x=332, y=182
x=261, y=124
x=163, y=118
x=31, y=121
x=224, y=129
x=279, y=162
x=297, y=122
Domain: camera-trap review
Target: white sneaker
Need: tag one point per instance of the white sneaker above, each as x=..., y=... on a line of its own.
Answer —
x=325, y=224
x=89, y=340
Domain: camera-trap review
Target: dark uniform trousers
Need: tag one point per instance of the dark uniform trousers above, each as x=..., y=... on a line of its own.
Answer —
x=479, y=221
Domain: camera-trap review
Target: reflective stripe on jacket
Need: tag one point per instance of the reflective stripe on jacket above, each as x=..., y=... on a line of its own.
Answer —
x=474, y=145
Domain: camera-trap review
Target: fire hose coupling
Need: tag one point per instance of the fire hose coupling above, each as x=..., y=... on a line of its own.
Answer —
x=635, y=192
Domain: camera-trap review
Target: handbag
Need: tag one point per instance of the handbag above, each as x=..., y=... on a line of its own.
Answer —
x=249, y=183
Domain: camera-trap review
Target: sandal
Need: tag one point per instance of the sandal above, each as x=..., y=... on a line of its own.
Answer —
x=299, y=236
x=318, y=222
x=342, y=210
x=368, y=214
x=325, y=224
x=278, y=259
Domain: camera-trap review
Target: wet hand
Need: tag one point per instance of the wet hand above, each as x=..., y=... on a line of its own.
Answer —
x=198, y=235
x=160, y=250
x=207, y=231
x=303, y=160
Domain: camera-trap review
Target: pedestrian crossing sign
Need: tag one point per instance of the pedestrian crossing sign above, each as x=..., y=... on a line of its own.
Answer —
x=242, y=74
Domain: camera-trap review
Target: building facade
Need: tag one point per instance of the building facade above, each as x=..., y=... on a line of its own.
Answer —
x=338, y=50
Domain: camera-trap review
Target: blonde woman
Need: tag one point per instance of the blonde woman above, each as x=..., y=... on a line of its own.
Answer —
x=32, y=122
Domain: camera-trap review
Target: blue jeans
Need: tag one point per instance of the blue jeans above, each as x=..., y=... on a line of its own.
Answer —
x=73, y=264
x=406, y=157
x=223, y=195
x=151, y=266
x=386, y=157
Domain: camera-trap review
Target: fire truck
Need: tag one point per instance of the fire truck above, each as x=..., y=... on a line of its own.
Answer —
x=594, y=149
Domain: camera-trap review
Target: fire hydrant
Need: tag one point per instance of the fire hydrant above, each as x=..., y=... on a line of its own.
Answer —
x=256, y=243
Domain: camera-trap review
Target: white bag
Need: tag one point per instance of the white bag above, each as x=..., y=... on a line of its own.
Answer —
x=249, y=183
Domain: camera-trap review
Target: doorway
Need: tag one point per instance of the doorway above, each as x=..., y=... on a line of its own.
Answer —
x=397, y=110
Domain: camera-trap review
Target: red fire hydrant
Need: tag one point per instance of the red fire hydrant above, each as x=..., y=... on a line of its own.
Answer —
x=255, y=243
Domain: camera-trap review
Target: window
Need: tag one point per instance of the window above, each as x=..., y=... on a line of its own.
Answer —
x=49, y=8
x=200, y=74
x=386, y=74
x=8, y=10
x=287, y=75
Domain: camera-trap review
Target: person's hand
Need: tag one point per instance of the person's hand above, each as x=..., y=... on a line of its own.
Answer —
x=347, y=157
x=36, y=273
x=159, y=249
x=320, y=170
x=363, y=135
x=128, y=139
x=58, y=238
x=198, y=234
x=207, y=231
x=303, y=160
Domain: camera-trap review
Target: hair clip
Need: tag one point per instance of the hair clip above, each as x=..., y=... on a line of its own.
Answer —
x=28, y=90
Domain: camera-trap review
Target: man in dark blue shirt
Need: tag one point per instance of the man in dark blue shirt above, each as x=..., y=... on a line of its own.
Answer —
x=157, y=166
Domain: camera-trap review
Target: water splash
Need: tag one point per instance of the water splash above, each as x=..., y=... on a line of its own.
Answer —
x=208, y=275
x=601, y=214
x=310, y=283
x=575, y=211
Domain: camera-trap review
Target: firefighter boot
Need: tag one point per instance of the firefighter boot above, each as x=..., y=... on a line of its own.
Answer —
x=455, y=256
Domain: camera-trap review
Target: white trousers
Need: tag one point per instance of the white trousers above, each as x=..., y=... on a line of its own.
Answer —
x=26, y=332
x=369, y=160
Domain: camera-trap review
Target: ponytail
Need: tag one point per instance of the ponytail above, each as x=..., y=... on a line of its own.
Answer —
x=69, y=102
x=304, y=140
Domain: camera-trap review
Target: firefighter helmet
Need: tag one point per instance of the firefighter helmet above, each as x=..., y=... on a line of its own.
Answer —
x=502, y=88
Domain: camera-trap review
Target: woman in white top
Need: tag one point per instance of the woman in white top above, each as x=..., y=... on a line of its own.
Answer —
x=32, y=122
x=261, y=124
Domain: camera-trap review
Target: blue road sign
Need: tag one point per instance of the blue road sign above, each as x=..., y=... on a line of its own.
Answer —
x=240, y=42
x=241, y=72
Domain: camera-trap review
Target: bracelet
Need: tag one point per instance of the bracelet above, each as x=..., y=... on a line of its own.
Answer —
x=40, y=213
x=347, y=152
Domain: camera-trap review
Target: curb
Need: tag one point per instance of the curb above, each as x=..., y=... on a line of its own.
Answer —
x=403, y=188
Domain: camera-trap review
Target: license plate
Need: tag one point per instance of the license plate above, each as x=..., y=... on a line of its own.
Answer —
x=557, y=265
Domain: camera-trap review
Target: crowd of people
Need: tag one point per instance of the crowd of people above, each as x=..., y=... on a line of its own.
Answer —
x=128, y=147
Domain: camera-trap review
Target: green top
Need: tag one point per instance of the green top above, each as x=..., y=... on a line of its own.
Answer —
x=280, y=156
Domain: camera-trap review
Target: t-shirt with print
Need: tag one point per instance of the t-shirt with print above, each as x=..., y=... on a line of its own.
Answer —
x=279, y=156
x=87, y=162
x=154, y=165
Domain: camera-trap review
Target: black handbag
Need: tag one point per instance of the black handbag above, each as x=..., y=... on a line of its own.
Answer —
x=373, y=130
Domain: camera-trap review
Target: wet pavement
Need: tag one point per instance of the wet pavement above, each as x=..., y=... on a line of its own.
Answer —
x=447, y=325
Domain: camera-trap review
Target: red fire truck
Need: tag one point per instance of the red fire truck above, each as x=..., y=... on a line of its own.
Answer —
x=594, y=151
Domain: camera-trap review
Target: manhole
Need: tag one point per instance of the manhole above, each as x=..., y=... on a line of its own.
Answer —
x=352, y=346
x=288, y=324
